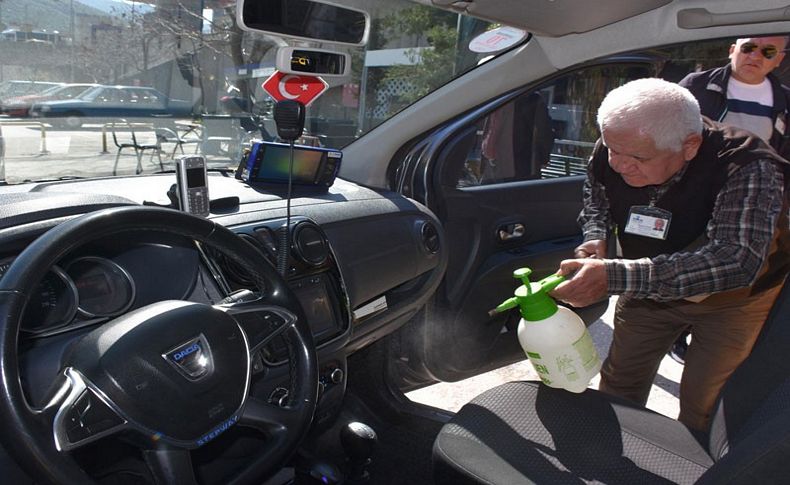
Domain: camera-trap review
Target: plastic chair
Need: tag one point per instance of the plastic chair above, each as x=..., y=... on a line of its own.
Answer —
x=133, y=142
x=191, y=136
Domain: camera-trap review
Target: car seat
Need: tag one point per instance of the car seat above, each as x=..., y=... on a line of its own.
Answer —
x=526, y=432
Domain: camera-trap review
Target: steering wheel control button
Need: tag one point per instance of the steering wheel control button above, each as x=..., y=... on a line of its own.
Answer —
x=88, y=417
x=83, y=416
x=76, y=430
x=279, y=397
x=261, y=323
x=192, y=359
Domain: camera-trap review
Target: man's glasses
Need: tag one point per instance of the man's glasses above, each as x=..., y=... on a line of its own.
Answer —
x=769, y=51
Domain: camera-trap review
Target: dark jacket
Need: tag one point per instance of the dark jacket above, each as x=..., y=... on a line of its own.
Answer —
x=710, y=89
x=691, y=199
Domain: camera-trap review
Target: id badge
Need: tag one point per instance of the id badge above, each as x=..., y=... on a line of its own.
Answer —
x=644, y=220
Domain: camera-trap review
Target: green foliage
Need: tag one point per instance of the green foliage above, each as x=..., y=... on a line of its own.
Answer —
x=417, y=20
x=433, y=63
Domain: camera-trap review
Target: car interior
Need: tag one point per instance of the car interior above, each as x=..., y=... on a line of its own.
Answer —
x=166, y=319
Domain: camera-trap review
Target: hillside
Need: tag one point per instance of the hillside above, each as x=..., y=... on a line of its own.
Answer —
x=44, y=14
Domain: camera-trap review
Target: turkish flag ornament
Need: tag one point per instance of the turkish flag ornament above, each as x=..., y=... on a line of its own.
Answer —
x=297, y=87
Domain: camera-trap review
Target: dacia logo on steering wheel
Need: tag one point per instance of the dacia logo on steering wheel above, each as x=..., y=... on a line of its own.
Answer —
x=192, y=358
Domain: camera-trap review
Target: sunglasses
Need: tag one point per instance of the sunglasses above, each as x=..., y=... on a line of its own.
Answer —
x=769, y=51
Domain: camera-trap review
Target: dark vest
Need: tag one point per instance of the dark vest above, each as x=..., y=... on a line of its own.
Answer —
x=691, y=199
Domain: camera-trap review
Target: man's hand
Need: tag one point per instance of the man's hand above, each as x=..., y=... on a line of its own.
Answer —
x=587, y=286
x=594, y=248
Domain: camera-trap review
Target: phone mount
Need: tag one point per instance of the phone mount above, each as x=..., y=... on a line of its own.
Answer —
x=223, y=204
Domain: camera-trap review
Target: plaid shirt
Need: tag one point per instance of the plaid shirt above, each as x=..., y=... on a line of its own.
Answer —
x=738, y=234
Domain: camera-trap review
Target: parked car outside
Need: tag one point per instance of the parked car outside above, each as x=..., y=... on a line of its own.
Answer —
x=19, y=106
x=13, y=89
x=103, y=103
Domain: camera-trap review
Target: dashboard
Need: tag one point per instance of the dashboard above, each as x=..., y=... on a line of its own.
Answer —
x=362, y=262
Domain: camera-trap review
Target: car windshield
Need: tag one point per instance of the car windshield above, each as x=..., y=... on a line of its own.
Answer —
x=181, y=77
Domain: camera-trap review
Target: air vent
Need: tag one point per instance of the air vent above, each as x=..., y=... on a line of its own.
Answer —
x=268, y=239
x=310, y=244
x=430, y=238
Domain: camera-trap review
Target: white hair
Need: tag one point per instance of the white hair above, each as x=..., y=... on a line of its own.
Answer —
x=665, y=111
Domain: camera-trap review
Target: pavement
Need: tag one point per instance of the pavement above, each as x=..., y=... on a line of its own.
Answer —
x=36, y=150
x=452, y=395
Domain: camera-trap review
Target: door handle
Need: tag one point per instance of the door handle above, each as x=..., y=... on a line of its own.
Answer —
x=509, y=232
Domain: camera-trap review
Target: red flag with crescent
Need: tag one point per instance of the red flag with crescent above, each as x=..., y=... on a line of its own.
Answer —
x=299, y=87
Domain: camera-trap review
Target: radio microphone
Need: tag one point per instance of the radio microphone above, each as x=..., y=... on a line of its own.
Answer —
x=289, y=118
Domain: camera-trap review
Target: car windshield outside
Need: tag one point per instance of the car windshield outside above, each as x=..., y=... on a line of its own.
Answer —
x=180, y=77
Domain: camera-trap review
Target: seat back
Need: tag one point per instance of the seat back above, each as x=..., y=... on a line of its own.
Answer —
x=750, y=432
x=137, y=135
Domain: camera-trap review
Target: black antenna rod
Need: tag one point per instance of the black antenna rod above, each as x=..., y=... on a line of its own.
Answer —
x=289, y=118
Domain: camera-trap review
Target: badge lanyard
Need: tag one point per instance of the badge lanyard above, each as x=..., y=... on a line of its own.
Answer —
x=649, y=220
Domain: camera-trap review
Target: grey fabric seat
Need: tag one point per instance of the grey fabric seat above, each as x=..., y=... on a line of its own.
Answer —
x=526, y=432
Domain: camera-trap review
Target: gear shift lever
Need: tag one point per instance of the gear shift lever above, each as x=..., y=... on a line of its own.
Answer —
x=358, y=440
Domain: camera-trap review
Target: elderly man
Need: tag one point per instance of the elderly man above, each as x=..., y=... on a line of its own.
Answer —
x=715, y=262
x=745, y=94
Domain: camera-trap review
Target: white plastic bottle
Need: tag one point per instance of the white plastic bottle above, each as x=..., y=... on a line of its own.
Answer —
x=554, y=338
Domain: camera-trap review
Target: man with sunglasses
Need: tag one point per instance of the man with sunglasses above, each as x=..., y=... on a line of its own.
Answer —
x=747, y=95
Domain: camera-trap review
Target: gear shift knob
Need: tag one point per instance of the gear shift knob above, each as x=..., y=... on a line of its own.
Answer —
x=358, y=440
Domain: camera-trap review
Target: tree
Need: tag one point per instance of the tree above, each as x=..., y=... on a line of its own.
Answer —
x=442, y=53
x=432, y=64
x=131, y=43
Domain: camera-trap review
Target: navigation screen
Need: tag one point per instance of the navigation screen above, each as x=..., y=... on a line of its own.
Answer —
x=274, y=160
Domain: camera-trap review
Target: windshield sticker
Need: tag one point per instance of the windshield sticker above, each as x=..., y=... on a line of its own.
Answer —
x=497, y=40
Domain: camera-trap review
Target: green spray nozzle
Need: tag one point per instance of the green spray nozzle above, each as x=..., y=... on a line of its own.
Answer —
x=546, y=284
x=532, y=298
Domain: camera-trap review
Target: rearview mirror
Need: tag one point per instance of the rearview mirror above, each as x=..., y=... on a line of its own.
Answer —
x=319, y=62
x=304, y=19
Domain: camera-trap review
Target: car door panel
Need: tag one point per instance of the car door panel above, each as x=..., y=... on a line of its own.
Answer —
x=463, y=338
x=506, y=183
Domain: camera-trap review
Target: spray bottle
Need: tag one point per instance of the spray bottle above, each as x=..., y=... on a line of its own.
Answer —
x=554, y=338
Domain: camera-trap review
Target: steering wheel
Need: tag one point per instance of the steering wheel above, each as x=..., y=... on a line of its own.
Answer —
x=170, y=376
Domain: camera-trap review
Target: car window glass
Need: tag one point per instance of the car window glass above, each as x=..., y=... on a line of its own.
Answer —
x=105, y=96
x=548, y=132
x=147, y=97
x=506, y=148
x=71, y=91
